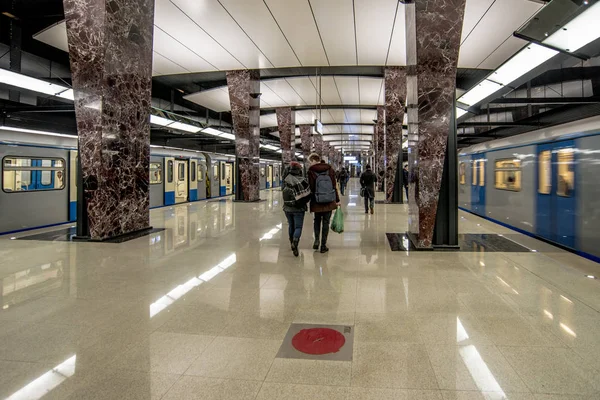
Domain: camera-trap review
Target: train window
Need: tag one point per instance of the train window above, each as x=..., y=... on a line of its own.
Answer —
x=193, y=172
x=170, y=171
x=545, y=172
x=474, y=174
x=155, y=173
x=566, y=176
x=200, y=177
x=215, y=171
x=462, y=173
x=508, y=175
x=223, y=170
x=181, y=171
x=22, y=174
x=481, y=172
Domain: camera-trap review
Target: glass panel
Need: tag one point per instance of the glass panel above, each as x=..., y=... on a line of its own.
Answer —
x=216, y=171
x=566, y=176
x=508, y=175
x=25, y=174
x=482, y=173
x=193, y=172
x=155, y=173
x=181, y=171
x=474, y=172
x=170, y=171
x=545, y=172
x=200, y=177
x=462, y=173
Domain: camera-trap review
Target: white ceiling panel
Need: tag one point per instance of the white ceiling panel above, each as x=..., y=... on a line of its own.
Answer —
x=348, y=88
x=172, y=20
x=503, y=53
x=256, y=20
x=498, y=24
x=369, y=90
x=269, y=98
x=335, y=19
x=178, y=53
x=305, y=89
x=215, y=20
x=213, y=99
x=397, y=51
x=337, y=115
x=298, y=25
x=164, y=66
x=474, y=10
x=285, y=91
x=268, y=120
x=352, y=116
x=55, y=35
x=374, y=22
x=367, y=116
x=329, y=90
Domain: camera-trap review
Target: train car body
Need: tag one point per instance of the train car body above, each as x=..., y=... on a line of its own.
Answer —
x=544, y=183
x=39, y=178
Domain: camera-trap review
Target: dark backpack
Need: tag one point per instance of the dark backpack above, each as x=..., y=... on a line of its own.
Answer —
x=324, y=190
x=296, y=191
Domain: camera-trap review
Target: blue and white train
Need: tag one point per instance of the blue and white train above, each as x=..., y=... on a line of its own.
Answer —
x=544, y=183
x=39, y=186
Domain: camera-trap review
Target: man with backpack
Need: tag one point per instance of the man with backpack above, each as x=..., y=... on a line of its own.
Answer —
x=343, y=179
x=325, y=198
x=296, y=195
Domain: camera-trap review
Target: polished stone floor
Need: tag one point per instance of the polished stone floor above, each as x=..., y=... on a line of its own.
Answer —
x=199, y=311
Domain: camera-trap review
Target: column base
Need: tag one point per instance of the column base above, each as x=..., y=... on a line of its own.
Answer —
x=119, y=238
x=414, y=242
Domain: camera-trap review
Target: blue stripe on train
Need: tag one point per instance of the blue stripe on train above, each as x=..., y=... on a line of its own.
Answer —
x=223, y=191
x=193, y=194
x=72, y=211
x=169, y=198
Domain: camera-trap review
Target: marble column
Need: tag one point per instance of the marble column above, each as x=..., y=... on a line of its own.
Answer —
x=286, y=122
x=380, y=153
x=332, y=157
x=395, y=97
x=433, y=32
x=110, y=51
x=325, y=152
x=244, y=86
x=318, y=144
x=306, y=142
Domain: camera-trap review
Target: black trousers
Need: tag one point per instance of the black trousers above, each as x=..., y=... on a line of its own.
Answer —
x=321, y=225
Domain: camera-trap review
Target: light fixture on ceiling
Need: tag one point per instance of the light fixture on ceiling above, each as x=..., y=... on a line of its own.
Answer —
x=484, y=89
x=521, y=63
x=185, y=127
x=579, y=32
x=35, y=132
x=34, y=84
x=460, y=112
x=160, y=121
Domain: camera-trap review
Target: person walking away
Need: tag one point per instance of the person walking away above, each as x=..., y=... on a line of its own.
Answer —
x=367, y=183
x=343, y=179
x=325, y=198
x=405, y=180
x=296, y=195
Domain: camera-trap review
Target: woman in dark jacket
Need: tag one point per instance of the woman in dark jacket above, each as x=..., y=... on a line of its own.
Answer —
x=294, y=208
x=322, y=210
x=367, y=182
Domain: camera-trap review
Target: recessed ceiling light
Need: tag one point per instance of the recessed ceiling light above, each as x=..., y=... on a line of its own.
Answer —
x=590, y=276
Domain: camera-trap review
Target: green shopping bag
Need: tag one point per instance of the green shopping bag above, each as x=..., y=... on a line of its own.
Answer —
x=337, y=225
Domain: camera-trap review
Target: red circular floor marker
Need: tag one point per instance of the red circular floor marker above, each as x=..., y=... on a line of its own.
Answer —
x=318, y=341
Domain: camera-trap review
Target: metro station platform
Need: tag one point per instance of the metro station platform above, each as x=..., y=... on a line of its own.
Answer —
x=205, y=308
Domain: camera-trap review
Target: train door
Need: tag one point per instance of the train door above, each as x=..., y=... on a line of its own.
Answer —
x=229, y=178
x=269, y=176
x=556, y=202
x=181, y=186
x=193, y=184
x=478, y=184
x=203, y=186
x=169, y=181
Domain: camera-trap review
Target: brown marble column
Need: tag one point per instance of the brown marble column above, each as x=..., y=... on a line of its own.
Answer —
x=110, y=51
x=286, y=122
x=380, y=152
x=433, y=31
x=395, y=97
x=306, y=141
x=318, y=144
x=244, y=86
x=332, y=157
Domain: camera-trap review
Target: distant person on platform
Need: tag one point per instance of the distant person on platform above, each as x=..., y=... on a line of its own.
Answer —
x=343, y=180
x=325, y=198
x=405, y=180
x=367, y=183
x=296, y=195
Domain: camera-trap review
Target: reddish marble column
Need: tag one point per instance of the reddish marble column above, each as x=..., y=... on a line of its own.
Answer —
x=110, y=51
x=286, y=121
x=318, y=144
x=380, y=152
x=306, y=142
x=433, y=32
x=332, y=160
x=395, y=97
x=245, y=111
